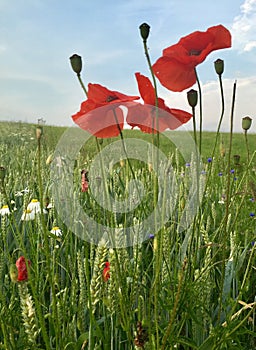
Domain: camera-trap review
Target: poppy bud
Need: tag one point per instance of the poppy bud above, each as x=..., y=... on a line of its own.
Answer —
x=192, y=97
x=2, y=173
x=13, y=273
x=106, y=273
x=246, y=123
x=39, y=132
x=144, y=31
x=76, y=63
x=219, y=66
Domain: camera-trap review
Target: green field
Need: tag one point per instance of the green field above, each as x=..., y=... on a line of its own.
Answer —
x=178, y=288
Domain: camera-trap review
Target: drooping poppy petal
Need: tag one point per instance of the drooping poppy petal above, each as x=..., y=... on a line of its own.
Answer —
x=149, y=117
x=101, y=114
x=175, y=69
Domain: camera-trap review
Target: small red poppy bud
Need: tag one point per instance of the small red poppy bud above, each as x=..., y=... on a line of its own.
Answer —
x=105, y=273
x=76, y=63
x=22, y=269
x=246, y=123
x=144, y=30
x=192, y=97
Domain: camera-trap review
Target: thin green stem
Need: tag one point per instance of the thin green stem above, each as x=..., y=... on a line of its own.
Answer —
x=247, y=145
x=82, y=84
x=194, y=125
x=200, y=112
x=225, y=233
x=221, y=116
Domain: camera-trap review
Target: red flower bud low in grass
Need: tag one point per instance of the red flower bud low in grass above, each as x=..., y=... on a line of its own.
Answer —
x=22, y=269
x=105, y=273
x=84, y=181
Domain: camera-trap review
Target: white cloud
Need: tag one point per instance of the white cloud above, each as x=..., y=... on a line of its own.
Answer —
x=244, y=27
x=244, y=97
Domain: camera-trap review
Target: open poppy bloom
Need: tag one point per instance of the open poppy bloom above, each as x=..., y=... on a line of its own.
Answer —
x=176, y=68
x=22, y=268
x=101, y=114
x=105, y=273
x=149, y=118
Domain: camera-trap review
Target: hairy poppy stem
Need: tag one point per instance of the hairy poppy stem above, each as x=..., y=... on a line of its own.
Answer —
x=221, y=116
x=225, y=223
x=82, y=84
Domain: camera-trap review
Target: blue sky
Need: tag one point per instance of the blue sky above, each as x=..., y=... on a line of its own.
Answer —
x=37, y=37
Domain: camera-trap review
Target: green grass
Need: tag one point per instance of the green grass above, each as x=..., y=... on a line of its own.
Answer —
x=178, y=289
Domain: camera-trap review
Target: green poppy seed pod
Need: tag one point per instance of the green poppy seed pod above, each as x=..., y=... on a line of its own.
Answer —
x=2, y=173
x=144, y=31
x=192, y=97
x=76, y=63
x=219, y=66
x=246, y=123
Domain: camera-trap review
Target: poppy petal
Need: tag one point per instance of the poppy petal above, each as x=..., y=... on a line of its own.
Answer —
x=103, y=122
x=174, y=75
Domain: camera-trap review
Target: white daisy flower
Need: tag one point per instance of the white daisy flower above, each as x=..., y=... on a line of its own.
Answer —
x=56, y=231
x=34, y=206
x=28, y=215
x=4, y=210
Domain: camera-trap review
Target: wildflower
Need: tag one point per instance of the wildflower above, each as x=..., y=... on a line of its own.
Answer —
x=151, y=236
x=220, y=174
x=232, y=171
x=122, y=163
x=105, y=273
x=56, y=231
x=187, y=165
x=176, y=68
x=209, y=160
x=21, y=265
x=252, y=215
x=252, y=199
x=4, y=210
x=84, y=181
x=49, y=159
x=34, y=206
x=150, y=167
x=102, y=122
x=150, y=119
x=28, y=215
x=22, y=192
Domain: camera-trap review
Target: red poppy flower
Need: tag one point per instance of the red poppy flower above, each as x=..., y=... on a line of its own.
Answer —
x=105, y=273
x=84, y=181
x=100, y=114
x=144, y=116
x=22, y=268
x=175, y=69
